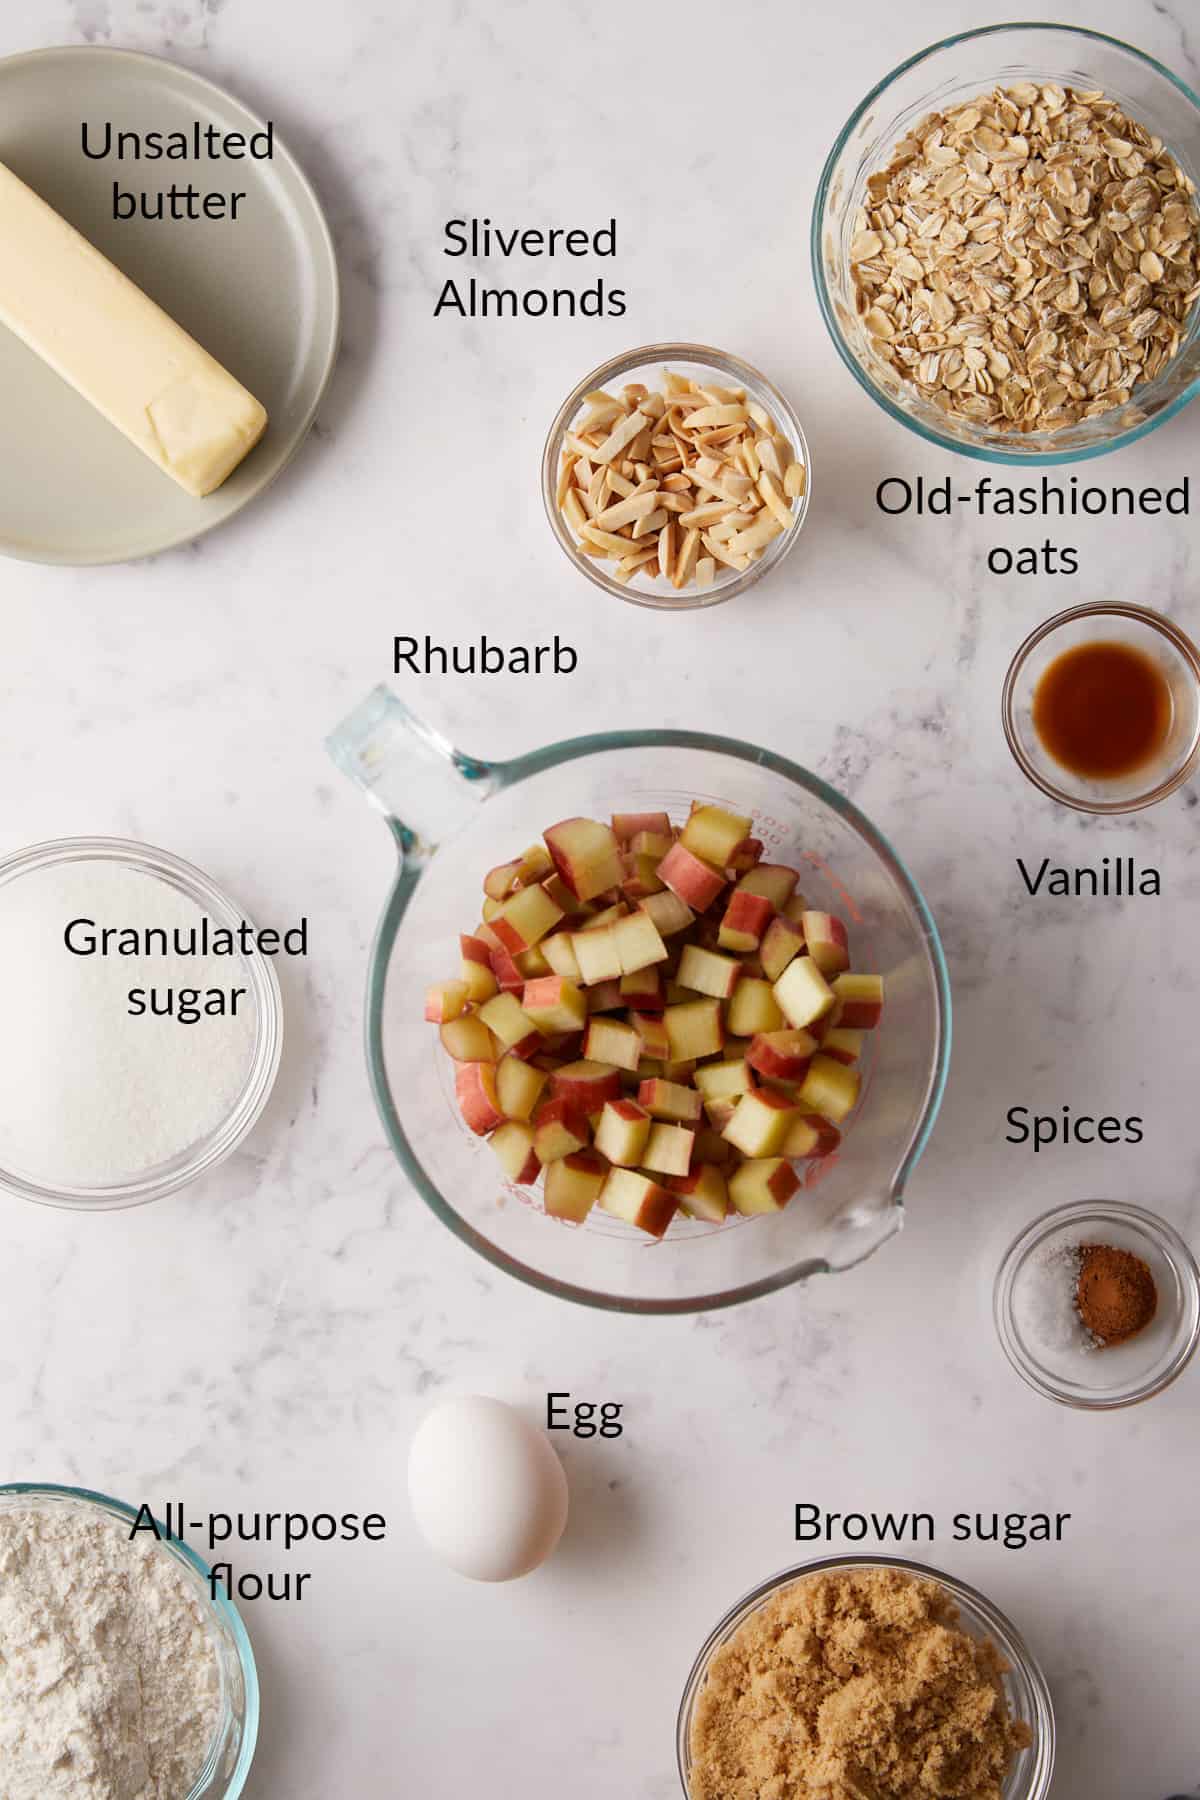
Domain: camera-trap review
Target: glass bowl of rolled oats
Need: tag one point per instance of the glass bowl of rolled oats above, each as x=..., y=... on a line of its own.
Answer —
x=1006, y=244
x=675, y=476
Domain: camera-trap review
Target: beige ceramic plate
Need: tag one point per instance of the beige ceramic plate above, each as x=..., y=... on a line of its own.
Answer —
x=260, y=294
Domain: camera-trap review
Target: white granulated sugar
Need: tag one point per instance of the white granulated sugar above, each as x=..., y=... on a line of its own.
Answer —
x=93, y=1096
x=1045, y=1304
x=109, y=1680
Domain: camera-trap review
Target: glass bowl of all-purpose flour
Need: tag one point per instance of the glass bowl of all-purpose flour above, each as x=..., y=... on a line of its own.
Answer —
x=122, y=1675
x=141, y=1029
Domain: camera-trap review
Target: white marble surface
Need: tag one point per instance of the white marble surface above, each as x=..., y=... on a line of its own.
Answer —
x=269, y=1339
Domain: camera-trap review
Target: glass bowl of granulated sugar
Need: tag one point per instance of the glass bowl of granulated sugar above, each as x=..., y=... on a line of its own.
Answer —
x=142, y=1024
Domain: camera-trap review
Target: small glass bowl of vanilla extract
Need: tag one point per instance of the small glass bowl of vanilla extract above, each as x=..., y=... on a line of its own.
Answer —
x=1101, y=708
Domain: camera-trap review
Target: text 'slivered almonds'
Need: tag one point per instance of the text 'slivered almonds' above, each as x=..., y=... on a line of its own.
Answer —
x=677, y=483
x=1027, y=260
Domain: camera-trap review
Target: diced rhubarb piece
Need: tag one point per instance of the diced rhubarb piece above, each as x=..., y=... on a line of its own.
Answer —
x=668, y=1150
x=706, y=972
x=445, y=1000
x=844, y=1046
x=606, y=996
x=559, y=1129
x=587, y=1085
x=703, y=1194
x=680, y=1069
x=560, y=893
x=479, y=1103
x=827, y=942
x=747, y=854
x=694, y=882
x=508, y=977
x=490, y=909
x=499, y=883
x=477, y=973
x=468, y=1039
x=508, y=1021
x=654, y=844
x=653, y=1033
x=555, y=1004
x=759, y=1126
x=796, y=908
x=859, y=1001
x=643, y=990
x=605, y=915
x=638, y=942
x=771, y=879
x=639, y=1201
x=764, y=1186
x=586, y=855
x=754, y=1008
x=782, y=1055
x=712, y=834
x=783, y=940
x=626, y=826
x=803, y=992
x=513, y=1144
x=597, y=954
x=611, y=1041
x=640, y=877
x=560, y=955
x=622, y=1132
x=519, y=1086
x=573, y=1185
x=525, y=918
x=746, y=919
x=811, y=1135
x=719, y=1080
x=718, y=1112
x=669, y=912
x=694, y=1029
x=831, y=1089
x=532, y=963
x=664, y=1099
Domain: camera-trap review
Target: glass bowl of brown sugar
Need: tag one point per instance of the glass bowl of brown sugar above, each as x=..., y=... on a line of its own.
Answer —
x=1097, y=1305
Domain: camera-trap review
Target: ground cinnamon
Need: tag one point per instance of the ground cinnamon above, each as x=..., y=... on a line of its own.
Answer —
x=1116, y=1294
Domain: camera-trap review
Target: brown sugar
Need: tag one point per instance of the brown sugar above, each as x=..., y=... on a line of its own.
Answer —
x=858, y=1684
x=1116, y=1294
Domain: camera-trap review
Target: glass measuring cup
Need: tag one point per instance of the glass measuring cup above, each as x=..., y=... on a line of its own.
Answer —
x=455, y=816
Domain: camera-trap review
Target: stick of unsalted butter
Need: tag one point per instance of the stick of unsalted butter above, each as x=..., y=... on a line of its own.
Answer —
x=117, y=348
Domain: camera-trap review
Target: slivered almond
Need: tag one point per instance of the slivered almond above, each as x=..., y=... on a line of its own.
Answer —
x=620, y=436
x=626, y=511
x=666, y=549
x=718, y=415
x=679, y=482
x=769, y=490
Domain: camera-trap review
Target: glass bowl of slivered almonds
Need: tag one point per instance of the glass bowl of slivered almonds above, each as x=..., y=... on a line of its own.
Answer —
x=675, y=476
x=1006, y=244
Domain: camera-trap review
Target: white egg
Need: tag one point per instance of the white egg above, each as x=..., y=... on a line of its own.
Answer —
x=487, y=1491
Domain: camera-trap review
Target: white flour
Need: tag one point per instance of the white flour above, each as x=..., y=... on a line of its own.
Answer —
x=91, y=1095
x=109, y=1684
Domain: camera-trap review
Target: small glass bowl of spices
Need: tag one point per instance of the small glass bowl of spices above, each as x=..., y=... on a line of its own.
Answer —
x=1097, y=1305
x=1101, y=708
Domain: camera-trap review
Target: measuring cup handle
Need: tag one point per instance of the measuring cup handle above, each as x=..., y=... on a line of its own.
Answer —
x=415, y=777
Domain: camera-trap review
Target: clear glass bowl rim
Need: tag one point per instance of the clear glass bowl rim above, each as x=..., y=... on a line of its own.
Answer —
x=1028, y=1240
x=224, y=1609
x=998, y=1626
x=722, y=363
x=1114, y=609
x=154, y=1184
x=504, y=775
x=1010, y=458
